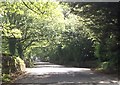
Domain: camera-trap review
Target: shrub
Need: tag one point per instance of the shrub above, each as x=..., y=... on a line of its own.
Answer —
x=104, y=65
x=11, y=64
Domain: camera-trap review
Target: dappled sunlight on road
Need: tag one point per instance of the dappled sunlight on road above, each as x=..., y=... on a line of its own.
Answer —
x=45, y=72
x=38, y=71
x=42, y=68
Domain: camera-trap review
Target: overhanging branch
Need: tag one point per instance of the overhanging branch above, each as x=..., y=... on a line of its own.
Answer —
x=29, y=44
x=30, y=8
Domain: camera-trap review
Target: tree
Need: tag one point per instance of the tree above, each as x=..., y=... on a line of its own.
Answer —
x=100, y=23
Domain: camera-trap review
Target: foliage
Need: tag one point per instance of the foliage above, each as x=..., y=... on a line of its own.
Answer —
x=6, y=78
x=104, y=65
x=12, y=64
x=23, y=26
x=100, y=20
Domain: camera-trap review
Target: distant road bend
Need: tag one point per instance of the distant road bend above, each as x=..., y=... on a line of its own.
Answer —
x=45, y=73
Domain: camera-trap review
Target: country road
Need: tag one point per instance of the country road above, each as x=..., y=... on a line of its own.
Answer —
x=45, y=73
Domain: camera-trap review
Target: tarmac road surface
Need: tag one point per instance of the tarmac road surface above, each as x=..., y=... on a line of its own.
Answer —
x=45, y=73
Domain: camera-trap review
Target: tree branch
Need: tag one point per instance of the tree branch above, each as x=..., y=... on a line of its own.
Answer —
x=29, y=44
x=37, y=8
x=32, y=9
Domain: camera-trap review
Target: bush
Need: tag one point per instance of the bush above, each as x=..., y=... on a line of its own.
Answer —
x=11, y=64
x=105, y=67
